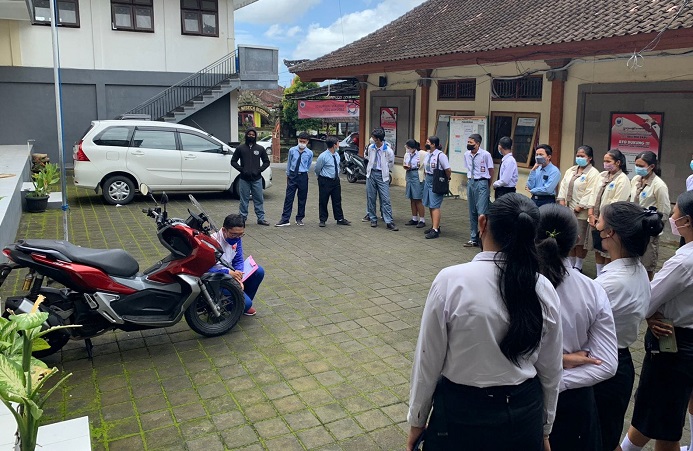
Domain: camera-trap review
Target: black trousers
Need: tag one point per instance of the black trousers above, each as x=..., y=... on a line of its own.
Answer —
x=494, y=418
x=543, y=200
x=612, y=397
x=329, y=188
x=503, y=190
x=295, y=183
x=576, y=427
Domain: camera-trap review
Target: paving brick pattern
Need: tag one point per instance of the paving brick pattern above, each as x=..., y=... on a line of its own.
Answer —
x=324, y=365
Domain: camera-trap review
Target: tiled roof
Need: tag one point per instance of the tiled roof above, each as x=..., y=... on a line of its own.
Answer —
x=440, y=27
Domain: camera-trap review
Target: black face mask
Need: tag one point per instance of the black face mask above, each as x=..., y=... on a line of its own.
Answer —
x=470, y=146
x=597, y=240
x=250, y=140
x=428, y=147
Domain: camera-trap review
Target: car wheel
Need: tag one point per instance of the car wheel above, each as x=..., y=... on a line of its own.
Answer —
x=118, y=189
x=233, y=191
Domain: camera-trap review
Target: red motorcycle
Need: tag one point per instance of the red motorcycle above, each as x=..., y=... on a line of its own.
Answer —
x=104, y=289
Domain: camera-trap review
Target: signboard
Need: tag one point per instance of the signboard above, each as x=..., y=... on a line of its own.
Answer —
x=318, y=109
x=460, y=129
x=388, y=122
x=634, y=133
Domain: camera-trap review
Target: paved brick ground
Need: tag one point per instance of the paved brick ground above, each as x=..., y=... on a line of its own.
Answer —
x=325, y=363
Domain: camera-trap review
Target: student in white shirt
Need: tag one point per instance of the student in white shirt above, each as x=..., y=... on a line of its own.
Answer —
x=489, y=354
x=623, y=230
x=613, y=186
x=647, y=190
x=507, y=171
x=589, y=335
x=575, y=192
x=413, y=165
x=666, y=380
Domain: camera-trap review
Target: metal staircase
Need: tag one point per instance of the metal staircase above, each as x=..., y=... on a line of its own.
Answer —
x=193, y=93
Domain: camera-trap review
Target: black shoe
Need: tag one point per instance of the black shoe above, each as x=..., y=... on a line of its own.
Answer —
x=366, y=219
x=420, y=225
x=343, y=221
x=299, y=222
x=433, y=234
x=411, y=222
x=374, y=223
x=392, y=227
x=322, y=224
x=263, y=222
x=282, y=224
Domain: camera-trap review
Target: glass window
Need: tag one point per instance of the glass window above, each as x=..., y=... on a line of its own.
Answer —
x=67, y=12
x=195, y=143
x=155, y=139
x=200, y=17
x=523, y=128
x=132, y=15
x=114, y=136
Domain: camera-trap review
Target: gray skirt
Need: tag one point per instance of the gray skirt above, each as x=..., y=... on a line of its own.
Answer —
x=414, y=189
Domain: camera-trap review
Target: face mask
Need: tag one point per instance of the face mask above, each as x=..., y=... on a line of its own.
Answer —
x=581, y=161
x=471, y=146
x=597, y=240
x=301, y=146
x=540, y=159
x=232, y=241
x=609, y=167
x=674, y=227
x=642, y=172
x=250, y=140
x=428, y=147
x=691, y=165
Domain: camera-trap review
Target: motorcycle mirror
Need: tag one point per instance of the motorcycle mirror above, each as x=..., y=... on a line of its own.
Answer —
x=203, y=211
x=164, y=198
x=144, y=189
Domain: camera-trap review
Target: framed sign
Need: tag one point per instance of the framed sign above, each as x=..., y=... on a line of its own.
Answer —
x=460, y=129
x=388, y=122
x=634, y=133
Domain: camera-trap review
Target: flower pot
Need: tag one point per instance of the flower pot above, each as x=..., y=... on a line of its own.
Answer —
x=36, y=204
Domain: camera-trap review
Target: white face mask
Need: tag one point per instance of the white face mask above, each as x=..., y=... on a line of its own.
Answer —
x=301, y=146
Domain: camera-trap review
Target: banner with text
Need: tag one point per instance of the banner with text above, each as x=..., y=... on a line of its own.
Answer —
x=634, y=133
x=319, y=109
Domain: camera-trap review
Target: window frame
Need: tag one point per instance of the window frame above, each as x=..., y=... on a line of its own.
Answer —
x=529, y=162
x=133, y=5
x=518, y=85
x=59, y=23
x=199, y=11
x=457, y=82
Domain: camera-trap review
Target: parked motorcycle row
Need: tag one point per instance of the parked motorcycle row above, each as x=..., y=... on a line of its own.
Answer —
x=104, y=289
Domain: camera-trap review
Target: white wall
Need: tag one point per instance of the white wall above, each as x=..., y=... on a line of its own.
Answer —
x=96, y=46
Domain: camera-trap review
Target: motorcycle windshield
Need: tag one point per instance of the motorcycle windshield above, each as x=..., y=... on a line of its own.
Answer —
x=197, y=205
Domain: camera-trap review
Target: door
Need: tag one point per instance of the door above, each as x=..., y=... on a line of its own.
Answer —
x=154, y=157
x=204, y=166
x=393, y=112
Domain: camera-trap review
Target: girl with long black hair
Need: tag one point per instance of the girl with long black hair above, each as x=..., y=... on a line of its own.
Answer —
x=589, y=334
x=489, y=353
x=623, y=230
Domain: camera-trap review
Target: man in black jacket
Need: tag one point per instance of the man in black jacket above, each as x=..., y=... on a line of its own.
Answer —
x=253, y=160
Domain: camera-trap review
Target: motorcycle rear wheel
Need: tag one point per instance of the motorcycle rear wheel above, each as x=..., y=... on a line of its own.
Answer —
x=352, y=178
x=230, y=301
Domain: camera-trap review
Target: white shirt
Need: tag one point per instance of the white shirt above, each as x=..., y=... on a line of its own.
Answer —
x=672, y=288
x=689, y=183
x=588, y=325
x=481, y=161
x=654, y=194
x=628, y=287
x=583, y=188
x=464, y=321
x=507, y=175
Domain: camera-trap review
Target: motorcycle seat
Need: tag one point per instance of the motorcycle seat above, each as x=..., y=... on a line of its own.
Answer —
x=115, y=262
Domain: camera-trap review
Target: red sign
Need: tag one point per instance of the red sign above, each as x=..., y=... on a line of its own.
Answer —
x=388, y=122
x=634, y=133
x=316, y=109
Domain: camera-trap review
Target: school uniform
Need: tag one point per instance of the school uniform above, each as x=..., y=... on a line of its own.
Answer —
x=414, y=187
x=327, y=171
x=433, y=160
x=542, y=183
x=483, y=401
x=609, y=189
x=651, y=191
x=588, y=325
x=478, y=181
x=666, y=380
x=628, y=289
x=297, y=167
x=507, y=176
x=576, y=191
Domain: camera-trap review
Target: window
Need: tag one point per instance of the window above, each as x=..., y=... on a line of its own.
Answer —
x=68, y=13
x=132, y=15
x=457, y=89
x=114, y=136
x=194, y=143
x=155, y=139
x=199, y=17
x=527, y=88
x=523, y=128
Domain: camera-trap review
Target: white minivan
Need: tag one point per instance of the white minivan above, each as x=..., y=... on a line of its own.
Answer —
x=116, y=156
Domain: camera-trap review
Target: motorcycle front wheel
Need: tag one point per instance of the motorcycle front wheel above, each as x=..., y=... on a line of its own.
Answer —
x=352, y=178
x=229, y=299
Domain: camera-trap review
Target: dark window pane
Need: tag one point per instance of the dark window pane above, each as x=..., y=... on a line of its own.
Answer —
x=466, y=89
x=143, y=19
x=42, y=11
x=142, y=2
x=122, y=16
x=191, y=22
x=190, y=4
x=208, y=6
x=155, y=139
x=67, y=12
x=194, y=143
x=446, y=89
x=114, y=136
x=209, y=24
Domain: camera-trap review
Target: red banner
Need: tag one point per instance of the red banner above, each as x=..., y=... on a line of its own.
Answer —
x=634, y=133
x=317, y=109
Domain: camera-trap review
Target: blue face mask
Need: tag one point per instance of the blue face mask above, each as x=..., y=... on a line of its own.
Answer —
x=232, y=241
x=581, y=161
x=642, y=172
x=691, y=165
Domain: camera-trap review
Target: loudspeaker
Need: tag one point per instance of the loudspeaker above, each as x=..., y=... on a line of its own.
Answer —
x=382, y=81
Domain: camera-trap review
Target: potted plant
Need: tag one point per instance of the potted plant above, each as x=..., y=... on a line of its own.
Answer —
x=22, y=377
x=37, y=200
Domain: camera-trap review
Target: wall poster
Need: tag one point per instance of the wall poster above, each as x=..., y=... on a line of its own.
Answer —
x=633, y=133
x=460, y=129
x=388, y=122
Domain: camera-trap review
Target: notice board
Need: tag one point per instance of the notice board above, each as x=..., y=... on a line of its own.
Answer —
x=460, y=129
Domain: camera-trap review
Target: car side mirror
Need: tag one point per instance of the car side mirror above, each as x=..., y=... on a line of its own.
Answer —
x=224, y=150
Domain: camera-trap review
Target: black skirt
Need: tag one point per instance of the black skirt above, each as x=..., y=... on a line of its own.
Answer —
x=576, y=427
x=612, y=397
x=494, y=418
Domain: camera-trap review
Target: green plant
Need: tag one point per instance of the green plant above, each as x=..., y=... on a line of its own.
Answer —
x=22, y=376
x=47, y=176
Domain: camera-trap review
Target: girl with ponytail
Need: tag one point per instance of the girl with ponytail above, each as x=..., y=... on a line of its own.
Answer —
x=489, y=353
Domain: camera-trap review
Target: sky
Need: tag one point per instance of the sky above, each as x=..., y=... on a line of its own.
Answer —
x=307, y=29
